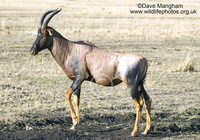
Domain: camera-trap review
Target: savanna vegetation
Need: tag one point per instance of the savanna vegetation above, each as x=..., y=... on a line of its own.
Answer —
x=32, y=88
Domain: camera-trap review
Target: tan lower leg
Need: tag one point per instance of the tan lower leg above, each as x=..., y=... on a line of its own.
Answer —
x=137, y=120
x=68, y=97
x=148, y=113
x=76, y=105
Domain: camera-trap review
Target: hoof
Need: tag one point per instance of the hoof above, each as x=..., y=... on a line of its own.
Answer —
x=74, y=127
x=143, y=133
x=129, y=136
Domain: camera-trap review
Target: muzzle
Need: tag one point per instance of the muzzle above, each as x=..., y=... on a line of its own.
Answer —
x=33, y=50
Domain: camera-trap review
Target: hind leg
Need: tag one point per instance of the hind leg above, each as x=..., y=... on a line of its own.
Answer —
x=147, y=101
x=133, y=89
x=138, y=115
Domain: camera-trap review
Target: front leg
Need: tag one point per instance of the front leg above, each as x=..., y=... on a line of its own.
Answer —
x=75, y=86
x=76, y=103
x=68, y=97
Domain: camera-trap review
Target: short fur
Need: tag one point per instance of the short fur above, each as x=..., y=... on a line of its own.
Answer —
x=82, y=60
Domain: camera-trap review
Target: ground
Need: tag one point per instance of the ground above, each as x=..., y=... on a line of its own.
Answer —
x=103, y=126
x=32, y=88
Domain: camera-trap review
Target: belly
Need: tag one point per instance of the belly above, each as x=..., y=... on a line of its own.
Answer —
x=104, y=80
x=114, y=82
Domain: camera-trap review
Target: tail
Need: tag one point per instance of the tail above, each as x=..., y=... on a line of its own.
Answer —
x=143, y=70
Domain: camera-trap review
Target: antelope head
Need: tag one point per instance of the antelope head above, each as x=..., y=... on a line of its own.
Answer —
x=44, y=35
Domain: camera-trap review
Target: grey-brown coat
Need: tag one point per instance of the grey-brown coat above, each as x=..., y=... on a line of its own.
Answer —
x=82, y=60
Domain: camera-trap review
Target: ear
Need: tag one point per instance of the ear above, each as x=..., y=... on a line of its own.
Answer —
x=49, y=31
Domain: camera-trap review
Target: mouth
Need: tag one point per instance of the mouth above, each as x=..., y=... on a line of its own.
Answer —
x=33, y=52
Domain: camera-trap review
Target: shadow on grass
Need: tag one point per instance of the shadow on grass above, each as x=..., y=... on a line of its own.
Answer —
x=99, y=126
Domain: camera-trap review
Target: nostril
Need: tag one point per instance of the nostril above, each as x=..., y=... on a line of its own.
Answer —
x=33, y=50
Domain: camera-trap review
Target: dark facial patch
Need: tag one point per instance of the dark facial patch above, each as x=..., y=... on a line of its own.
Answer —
x=35, y=48
x=40, y=42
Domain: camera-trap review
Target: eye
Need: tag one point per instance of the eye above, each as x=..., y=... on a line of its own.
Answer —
x=40, y=36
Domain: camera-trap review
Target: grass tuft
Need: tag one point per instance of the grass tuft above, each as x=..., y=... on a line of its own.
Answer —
x=4, y=27
x=187, y=65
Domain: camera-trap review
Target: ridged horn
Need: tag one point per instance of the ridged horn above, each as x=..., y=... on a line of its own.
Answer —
x=45, y=22
x=44, y=15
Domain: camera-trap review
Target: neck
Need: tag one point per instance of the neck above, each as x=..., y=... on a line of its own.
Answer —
x=60, y=50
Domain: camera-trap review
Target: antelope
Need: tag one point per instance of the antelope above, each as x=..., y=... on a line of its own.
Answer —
x=82, y=61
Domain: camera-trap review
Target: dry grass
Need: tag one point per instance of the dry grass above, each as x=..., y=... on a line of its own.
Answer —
x=37, y=84
x=188, y=65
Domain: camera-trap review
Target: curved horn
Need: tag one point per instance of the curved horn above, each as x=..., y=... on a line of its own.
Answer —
x=45, y=23
x=44, y=15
